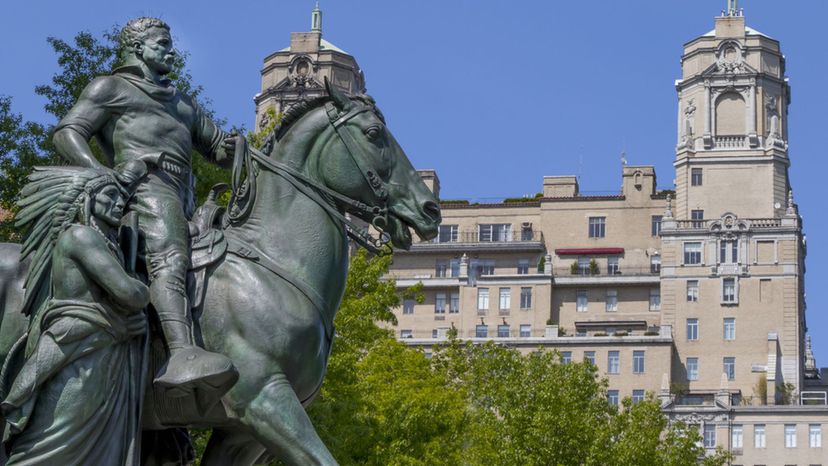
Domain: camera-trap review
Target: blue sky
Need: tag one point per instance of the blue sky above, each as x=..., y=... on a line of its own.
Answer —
x=492, y=94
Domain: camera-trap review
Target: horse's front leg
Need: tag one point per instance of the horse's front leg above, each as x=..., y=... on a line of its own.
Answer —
x=230, y=447
x=280, y=423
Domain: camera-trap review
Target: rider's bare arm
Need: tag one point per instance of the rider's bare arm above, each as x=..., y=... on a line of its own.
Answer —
x=87, y=117
x=86, y=247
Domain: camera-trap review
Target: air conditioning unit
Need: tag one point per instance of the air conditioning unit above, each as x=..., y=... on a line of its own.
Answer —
x=526, y=225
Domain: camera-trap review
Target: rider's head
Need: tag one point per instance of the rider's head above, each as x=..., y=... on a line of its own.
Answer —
x=148, y=40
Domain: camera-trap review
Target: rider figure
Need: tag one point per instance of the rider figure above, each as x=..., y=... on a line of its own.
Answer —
x=136, y=114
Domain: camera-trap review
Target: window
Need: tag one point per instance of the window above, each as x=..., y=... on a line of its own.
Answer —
x=709, y=436
x=440, y=303
x=695, y=177
x=486, y=267
x=655, y=225
x=692, y=253
x=692, y=329
x=454, y=265
x=454, y=303
x=736, y=441
x=523, y=267
x=526, y=297
x=698, y=218
x=440, y=332
x=729, y=290
x=406, y=333
x=613, y=265
x=589, y=356
x=815, y=435
x=638, y=362
x=612, y=300
x=692, y=368
x=759, y=436
x=729, y=367
x=612, y=397
x=581, y=301
x=597, y=227
x=481, y=331
x=505, y=299
x=790, y=435
x=637, y=396
x=729, y=329
x=525, y=330
x=441, y=270
x=692, y=291
x=655, y=264
x=483, y=299
x=566, y=357
x=583, y=265
x=494, y=232
x=408, y=306
x=729, y=251
x=655, y=299
x=503, y=331
x=448, y=234
x=613, y=362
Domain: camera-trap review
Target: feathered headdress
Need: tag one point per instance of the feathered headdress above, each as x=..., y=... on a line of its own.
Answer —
x=54, y=199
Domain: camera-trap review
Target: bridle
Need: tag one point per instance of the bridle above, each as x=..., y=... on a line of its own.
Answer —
x=250, y=159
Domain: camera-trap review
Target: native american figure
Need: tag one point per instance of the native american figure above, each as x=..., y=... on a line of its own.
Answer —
x=76, y=399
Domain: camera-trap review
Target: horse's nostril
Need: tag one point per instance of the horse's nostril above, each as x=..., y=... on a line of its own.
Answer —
x=432, y=210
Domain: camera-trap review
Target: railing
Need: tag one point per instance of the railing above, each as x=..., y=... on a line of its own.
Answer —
x=813, y=398
x=755, y=223
x=603, y=272
x=496, y=237
x=731, y=142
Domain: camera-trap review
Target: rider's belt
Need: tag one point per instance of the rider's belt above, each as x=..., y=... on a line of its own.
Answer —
x=173, y=168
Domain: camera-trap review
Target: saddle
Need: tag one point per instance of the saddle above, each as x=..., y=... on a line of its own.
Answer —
x=208, y=244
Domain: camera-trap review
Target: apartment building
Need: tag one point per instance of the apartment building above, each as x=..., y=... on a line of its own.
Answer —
x=695, y=294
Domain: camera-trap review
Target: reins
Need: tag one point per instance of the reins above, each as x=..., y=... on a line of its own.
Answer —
x=244, y=192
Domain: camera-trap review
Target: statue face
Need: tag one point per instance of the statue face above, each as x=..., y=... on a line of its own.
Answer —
x=108, y=205
x=157, y=50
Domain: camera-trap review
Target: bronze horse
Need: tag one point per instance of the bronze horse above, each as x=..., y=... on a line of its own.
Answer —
x=270, y=303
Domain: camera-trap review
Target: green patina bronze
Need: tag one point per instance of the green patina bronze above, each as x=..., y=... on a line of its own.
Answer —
x=256, y=344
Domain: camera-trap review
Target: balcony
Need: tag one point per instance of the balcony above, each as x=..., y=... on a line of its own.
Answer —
x=621, y=275
x=731, y=142
x=704, y=225
x=513, y=241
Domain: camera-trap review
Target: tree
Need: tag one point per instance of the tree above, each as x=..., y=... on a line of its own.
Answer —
x=22, y=146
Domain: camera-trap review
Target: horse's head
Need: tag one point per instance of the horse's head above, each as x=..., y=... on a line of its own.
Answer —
x=362, y=160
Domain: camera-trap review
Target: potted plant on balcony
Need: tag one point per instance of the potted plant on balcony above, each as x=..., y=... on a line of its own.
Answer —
x=573, y=269
x=593, y=267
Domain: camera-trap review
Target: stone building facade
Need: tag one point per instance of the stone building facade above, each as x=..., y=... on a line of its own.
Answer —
x=298, y=72
x=696, y=294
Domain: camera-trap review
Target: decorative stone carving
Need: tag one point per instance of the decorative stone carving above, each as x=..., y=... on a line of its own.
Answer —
x=730, y=58
x=689, y=116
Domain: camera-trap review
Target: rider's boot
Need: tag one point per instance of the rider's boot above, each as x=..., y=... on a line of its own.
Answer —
x=189, y=366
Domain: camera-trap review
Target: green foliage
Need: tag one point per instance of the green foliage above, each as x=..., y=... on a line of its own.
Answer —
x=593, y=267
x=22, y=146
x=518, y=200
x=574, y=269
x=256, y=139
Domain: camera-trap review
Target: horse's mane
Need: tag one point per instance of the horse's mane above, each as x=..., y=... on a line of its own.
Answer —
x=300, y=109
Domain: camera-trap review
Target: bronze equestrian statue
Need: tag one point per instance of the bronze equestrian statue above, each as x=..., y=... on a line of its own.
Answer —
x=270, y=272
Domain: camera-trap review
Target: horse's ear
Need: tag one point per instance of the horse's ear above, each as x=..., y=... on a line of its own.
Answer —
x=342, y=102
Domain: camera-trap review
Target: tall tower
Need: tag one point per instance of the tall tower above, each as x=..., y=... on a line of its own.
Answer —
x=732, y=245
x=297, y=72
x=732, y=123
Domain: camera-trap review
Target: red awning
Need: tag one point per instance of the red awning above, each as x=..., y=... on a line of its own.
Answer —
x=588, y=251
